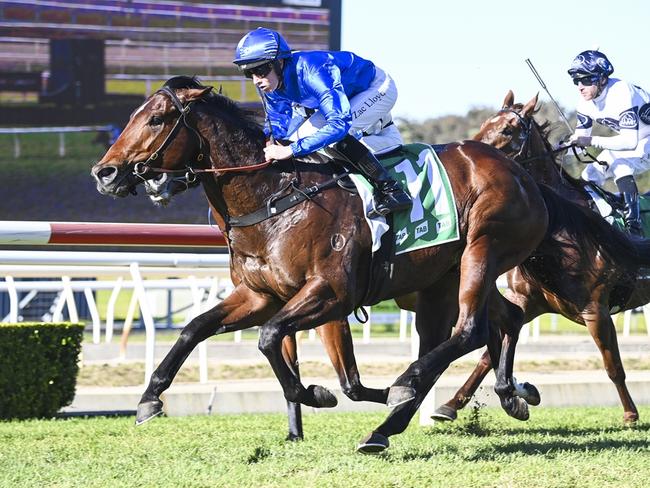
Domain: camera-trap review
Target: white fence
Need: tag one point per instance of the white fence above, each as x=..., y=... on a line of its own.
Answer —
x=204, y=276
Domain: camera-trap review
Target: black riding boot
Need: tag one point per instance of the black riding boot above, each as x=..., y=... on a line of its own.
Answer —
x=388, y=195
x=631, y=212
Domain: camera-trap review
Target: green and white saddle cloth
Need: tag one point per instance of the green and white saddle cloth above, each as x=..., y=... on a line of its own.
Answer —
x=433, y=218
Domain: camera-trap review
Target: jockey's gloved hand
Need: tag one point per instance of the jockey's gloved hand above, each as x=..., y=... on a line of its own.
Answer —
x=582, y=141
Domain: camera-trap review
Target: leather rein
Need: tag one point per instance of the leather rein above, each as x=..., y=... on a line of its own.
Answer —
x=190, y=170
x=277, y=202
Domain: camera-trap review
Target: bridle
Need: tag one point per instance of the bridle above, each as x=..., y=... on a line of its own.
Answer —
x=524, y=135
x=524, y=140
x=190, y=172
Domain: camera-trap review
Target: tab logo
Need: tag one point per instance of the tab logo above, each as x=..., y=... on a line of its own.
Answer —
x=401, y=236
x=421, y=229
x=443, y=224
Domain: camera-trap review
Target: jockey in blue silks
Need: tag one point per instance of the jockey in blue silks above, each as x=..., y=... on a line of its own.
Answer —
x=325, y=99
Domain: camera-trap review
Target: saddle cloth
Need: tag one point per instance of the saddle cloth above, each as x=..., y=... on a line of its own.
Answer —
x=433, y=218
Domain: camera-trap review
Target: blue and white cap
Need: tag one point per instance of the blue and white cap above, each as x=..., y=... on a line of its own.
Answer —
x=590, y=63
x=260, y=46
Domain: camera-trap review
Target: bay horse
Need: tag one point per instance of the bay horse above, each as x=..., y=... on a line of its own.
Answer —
x=585, y=285
x=310, y=264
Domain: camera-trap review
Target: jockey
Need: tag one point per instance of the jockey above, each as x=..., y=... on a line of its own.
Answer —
x=625, y=109
x=325, y=99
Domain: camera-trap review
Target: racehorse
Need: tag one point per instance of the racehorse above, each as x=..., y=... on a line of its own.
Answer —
x=583, y=284
x=310, y=264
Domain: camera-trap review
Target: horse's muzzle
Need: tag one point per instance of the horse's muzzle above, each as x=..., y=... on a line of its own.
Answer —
x=109, y=182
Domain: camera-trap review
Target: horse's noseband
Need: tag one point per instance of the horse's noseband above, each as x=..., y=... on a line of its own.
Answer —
x=140, y=169
x=524, y=135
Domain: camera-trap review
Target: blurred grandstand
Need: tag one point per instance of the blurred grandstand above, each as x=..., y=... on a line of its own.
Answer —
x=62, y=52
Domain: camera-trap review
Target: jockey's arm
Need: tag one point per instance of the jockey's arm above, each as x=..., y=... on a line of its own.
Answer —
x=325, y=85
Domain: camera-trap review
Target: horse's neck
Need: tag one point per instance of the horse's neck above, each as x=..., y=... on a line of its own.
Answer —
x=237, y=193
x=540, y=163
x=543, y=168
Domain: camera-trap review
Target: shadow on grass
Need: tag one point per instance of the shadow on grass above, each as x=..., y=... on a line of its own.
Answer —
x=561, y=440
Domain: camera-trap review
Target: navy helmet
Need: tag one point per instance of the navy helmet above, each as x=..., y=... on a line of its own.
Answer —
x=260, y=46
x=590, y=64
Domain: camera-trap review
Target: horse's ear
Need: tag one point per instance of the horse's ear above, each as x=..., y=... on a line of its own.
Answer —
x=529, y=108
x=191, y=94
x=509, y=100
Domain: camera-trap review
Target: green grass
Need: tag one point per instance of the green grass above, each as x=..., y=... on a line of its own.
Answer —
x=585, y=447
x=231, y=89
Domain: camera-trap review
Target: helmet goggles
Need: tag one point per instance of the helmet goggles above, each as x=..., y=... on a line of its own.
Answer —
x=589, y=80
x=261, y=71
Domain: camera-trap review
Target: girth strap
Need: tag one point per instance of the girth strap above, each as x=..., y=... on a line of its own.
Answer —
x=276, y=206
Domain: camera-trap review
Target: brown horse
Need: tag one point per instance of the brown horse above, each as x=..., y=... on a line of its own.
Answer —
x=311, y=264
x=582, y=283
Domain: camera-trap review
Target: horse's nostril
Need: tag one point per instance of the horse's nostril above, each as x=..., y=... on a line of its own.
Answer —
x=106, y=172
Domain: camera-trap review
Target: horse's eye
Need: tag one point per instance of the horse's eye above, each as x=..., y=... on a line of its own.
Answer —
x=155, y=120
x=507, y=131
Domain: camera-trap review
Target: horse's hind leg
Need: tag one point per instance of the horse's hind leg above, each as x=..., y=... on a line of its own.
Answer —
x=240, y=310
x=509, y=318
x=294, y=413
x=315, y=303
x=337, y=339
x=448, y=411
x=601, y=327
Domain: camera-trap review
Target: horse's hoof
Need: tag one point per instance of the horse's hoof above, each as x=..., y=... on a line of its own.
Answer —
x=630, y=420
x=294, y=438
x=529, y=393
x=444, y=413
x=148, y=410
x=516, y=408
x=399, y=394
x=373, y=443
x=322, y=397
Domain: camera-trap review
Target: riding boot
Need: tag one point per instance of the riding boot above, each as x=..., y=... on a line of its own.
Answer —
x=632, y=214
x=388, y=195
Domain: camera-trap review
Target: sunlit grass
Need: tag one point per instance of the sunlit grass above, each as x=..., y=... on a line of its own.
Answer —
x=570, y=447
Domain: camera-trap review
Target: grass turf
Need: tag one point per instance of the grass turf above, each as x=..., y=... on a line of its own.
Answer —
x=583, y=447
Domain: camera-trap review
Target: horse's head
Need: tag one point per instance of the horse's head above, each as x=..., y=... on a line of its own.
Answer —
x=160, y=139
x=509, y=130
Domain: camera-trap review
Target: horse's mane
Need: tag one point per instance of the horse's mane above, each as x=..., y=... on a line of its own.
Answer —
x=218, y=104
x=545, y=128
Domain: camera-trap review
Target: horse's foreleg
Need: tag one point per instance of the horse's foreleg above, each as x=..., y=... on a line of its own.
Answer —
x=315, y=303
x=601, y=327
x=294, y=414
x=337, y=339
x=240, y=310
x=471, y=332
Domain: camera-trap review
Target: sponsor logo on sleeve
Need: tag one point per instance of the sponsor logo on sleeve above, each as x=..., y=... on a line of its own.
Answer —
x=628, y=119
x=609, y=123
x=584, y=122
x=644, y=113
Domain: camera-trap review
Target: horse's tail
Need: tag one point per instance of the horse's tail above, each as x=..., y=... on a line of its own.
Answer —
x=575, y=236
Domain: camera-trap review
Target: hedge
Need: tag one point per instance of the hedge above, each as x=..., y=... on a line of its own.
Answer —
x=38, y=368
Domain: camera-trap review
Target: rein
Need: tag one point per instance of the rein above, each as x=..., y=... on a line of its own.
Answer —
x=275, y=205
x=142, y=168
x=526, y=124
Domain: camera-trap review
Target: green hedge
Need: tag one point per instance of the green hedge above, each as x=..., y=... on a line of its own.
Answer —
x=38, y=368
